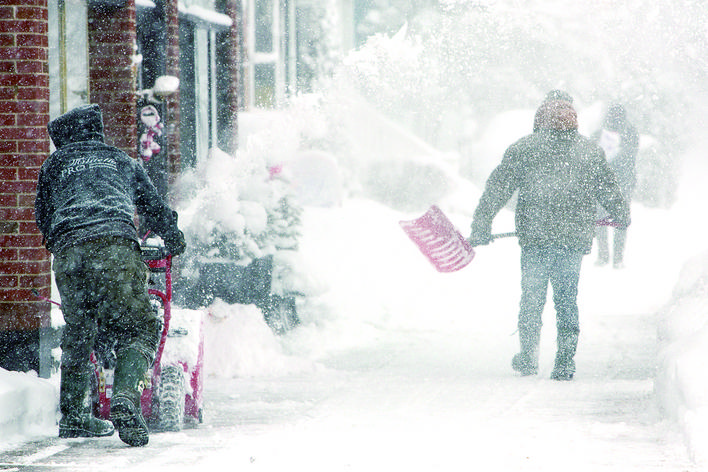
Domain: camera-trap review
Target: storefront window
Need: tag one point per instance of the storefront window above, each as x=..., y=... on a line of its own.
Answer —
x=68, y=55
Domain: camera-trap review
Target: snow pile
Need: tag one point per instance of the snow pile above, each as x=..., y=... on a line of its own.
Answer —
x=682, y=380
x=238, y=343
x=28, y=407
x=681, y=383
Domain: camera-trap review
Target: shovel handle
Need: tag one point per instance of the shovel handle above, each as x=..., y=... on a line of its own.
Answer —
x=603, y=222
x=503, y=235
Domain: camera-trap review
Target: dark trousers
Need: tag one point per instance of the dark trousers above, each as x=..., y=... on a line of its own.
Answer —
x=103, y=286
x=560, y=267
x=618, y=243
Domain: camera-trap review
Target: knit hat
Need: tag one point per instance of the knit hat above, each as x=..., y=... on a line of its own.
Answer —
x=554, y=95
x=558, y=115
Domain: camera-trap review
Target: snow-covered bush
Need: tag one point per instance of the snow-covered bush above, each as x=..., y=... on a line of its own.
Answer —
x=233, y=209
x=237, y=214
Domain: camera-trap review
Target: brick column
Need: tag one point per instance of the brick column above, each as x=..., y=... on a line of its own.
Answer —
x=112, y=72
x=172, y=120
x=24, y=144
x=229, y=53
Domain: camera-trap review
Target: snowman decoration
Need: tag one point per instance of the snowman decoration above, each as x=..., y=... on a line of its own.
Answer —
x=153, y=129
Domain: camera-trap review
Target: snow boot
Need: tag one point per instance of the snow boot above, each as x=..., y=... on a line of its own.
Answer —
x=77, y=420
x=128, y=384
x=564, y=366
x=526, y=361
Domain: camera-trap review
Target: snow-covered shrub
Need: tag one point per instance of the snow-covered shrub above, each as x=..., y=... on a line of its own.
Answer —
x=236, y=214
x=233, y=209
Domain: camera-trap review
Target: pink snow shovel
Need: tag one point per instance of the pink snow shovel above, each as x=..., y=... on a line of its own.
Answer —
x=439, y=240
x=443, y=245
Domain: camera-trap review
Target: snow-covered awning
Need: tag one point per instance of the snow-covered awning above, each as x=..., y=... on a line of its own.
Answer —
x=204, y=18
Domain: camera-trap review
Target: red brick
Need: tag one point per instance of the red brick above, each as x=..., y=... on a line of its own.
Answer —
x=13, y=294
x=32, y=120
x=23, y=133
x=22, y=26
x=20, y=186
x=29, y=227
x=23, y=53
x=21, y=160
x=37, y=281
x=8, y=67
x=7, y=93
x=8, y=199
x=26, y=40
x=38, y=3
x=28, y=173
x=33, y=93
x=9, y=254
x=8, y=120
x=17, y=214
x=8, y=173
x=31, y=147
x=7, y=39
x=32, y=254
x=13, y=240
x=24, y=268
x=22, y=106
x=9, y=227
x=32, y=13
x=24, y=316
x=9, y=281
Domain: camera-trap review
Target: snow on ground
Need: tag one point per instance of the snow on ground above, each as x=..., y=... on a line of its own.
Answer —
x=415, y=364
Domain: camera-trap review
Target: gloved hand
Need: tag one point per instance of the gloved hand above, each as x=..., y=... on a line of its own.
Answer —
x=480, y=238
x=175, y=243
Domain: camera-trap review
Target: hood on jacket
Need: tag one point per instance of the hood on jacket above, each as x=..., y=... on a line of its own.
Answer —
x=557, y=115
x=84, y=123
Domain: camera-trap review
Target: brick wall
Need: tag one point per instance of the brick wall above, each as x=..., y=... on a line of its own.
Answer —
x=24, y=144
x=231, y=56
x=172, y=120
x=112, y=72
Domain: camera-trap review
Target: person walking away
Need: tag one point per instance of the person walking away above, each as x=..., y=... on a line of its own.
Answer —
x=620, y=141
x=87, y=195
x=560, y=176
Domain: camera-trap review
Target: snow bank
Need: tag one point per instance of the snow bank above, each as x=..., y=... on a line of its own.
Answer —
x=28, y=407
x=238, y=343
x=682, y=381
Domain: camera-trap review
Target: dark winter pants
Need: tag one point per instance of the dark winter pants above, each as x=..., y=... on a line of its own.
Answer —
x=560, y=267
x=618, y=243
x=103, y=286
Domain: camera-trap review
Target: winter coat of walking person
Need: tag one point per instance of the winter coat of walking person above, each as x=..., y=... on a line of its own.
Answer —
x=560, y=177
x=87, y=195
x=620, y=141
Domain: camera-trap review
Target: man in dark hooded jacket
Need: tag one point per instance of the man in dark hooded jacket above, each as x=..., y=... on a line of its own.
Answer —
x=87, y=195
x=560, y=177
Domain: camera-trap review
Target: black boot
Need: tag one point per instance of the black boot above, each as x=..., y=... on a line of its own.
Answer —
x=564, y=367
x=526, y=361
x=77, y=420
x=128, y=384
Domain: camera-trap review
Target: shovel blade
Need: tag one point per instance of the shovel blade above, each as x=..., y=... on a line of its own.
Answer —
x=439, y=240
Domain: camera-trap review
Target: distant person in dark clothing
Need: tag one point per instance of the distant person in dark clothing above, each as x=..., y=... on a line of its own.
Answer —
x=560, y=177
x=620, y=141
x=87, y=195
